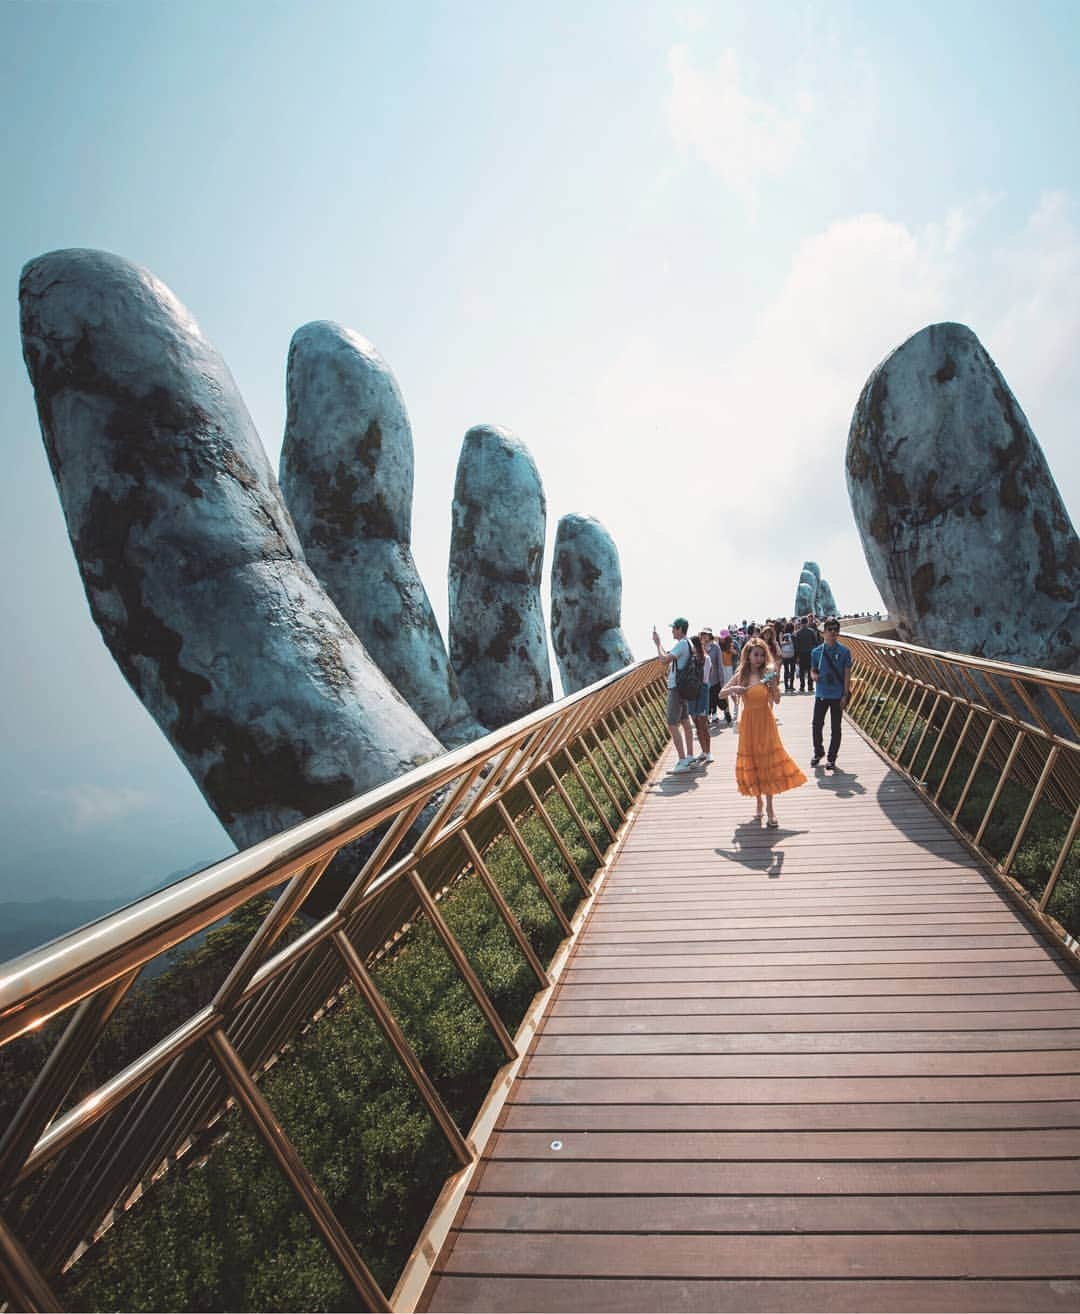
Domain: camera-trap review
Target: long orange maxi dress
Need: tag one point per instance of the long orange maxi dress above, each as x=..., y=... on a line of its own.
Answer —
x=762, y=765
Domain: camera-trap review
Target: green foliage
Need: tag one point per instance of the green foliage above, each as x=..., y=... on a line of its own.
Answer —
x=228, y=1233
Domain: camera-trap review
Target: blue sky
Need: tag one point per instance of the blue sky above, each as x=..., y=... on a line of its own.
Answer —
x=664, y=243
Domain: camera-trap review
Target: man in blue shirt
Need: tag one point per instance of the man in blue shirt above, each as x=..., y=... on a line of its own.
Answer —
x=831, y=663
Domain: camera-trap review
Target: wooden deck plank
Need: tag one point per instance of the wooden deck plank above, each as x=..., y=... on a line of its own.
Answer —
x=809, y=1042
x=1008, y=1143
x=573, y=1004
x=636, y=1295
x=784, y=1023
x=825, y=1255
x=826, y=1067
x=772, y=1213
x=805, y=1177
x=985, y=1115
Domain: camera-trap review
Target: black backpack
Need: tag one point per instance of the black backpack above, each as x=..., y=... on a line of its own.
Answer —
x=689, y=681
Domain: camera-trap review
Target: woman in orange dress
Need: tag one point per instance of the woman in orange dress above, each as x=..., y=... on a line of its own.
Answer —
x=762, y=766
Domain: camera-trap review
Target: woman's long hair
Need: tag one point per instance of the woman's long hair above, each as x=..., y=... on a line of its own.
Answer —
x=743, y=674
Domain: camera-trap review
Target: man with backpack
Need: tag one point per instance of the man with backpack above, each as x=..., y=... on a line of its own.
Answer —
x=680, y=668
x=831, y=663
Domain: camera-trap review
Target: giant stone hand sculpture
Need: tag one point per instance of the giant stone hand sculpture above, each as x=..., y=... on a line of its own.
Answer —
x=191, y=564
x=498, y=644
x=586, y=604
x=197, y=579
x=964, y=530
x=347, y=477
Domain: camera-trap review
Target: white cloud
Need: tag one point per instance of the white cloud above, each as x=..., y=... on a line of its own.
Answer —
x=94, y=805
x=1037, y=330
x=743, y=139
x=745, y=449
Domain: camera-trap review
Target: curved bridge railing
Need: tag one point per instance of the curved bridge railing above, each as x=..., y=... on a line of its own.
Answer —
x=75, y=1156
x=994, y=749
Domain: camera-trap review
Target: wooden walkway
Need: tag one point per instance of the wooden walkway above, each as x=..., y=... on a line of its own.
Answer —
x=826, y=1067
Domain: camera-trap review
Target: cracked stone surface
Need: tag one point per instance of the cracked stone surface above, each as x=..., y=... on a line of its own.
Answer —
x=586, y=604
x=347, y=477
x=191, y=564
x=498, y=643
x=964, y=530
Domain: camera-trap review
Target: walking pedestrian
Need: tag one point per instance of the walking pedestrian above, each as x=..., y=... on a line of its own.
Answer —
x=714, y=673
x=699, y=708
x=729, y=654
x=763, y=767
x=787, y=656
x=678, y=721
x=806, y=640
x=831, y=663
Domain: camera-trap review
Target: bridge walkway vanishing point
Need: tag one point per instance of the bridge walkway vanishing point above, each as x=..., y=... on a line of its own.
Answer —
x=825, y=1067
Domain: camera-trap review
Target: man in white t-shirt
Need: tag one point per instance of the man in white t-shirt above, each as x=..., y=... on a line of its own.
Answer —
x=680, y=727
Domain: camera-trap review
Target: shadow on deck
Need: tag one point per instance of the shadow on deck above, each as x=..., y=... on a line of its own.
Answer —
x=826, y=1067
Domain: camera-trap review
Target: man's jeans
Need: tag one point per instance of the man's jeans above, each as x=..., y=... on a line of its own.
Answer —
x=806, y=679
x=835, y=708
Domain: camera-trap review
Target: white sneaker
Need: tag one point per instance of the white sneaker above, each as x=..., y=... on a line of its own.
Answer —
x=683, y=764
x=705, y=759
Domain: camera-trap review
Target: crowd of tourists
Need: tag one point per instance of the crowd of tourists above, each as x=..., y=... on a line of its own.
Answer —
x=736, y=677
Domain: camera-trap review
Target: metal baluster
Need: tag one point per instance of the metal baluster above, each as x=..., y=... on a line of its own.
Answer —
x=406, y=1055
x=505, y=911
x=955, y=753
x=534, y=867
x=990, y=732
x=295, y=1171
x=464, y=967
x=999, y=787
x=1018, y=838
x=1060, y=863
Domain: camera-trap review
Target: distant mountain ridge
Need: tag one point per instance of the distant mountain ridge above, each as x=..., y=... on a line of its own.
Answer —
x=26, y=924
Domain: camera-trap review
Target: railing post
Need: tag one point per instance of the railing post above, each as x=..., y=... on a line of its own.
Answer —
x=1018, y=838
x=913, y=689
x=388, y=1025
x=534, y=867
x=505, y=911
x=568, y=803
x=295, y=1171
x=955, y=753
x=990, y=731
x=464, y=967
x=1060, y=863
x=1017, y=741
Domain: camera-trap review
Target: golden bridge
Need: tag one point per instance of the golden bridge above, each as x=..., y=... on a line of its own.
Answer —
x=831, y=1066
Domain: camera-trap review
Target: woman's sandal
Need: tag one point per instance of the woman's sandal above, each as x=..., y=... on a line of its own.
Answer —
x=772, y=824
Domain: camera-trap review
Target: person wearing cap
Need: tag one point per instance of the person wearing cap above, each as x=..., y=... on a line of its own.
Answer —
x=680, y=727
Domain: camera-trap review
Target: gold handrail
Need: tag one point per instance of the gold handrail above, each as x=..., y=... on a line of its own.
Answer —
x=1018, y=726
x=423, y=832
